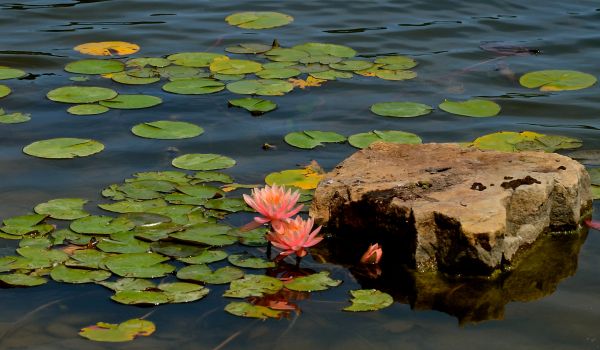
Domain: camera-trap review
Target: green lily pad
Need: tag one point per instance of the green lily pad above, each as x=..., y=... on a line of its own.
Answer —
x=178, y=177
x=141, y=62
x=229, y=66
x=123, y=242
x=232, y=205
x=228, y=77
x=206, y=257
x=131, y=206
x=194, y=59
x=14, y=118
x=182, y=198
x=25, y=224
x=69, y=236
x=212, y=176
x=198, y=161
x=396, y=62
x=88, y=109
x=63, y=208
x=509, y=141
x=182, y=292
x=101, y=225
x=254, y=238
x=249, y=261
x=321, y=49
x=363, y=140
x=244, y=309
x=557, y=80
x=42, y=255
x=81, y=94
x=93, y=66
x=201, y=191
x=80, y=78
x=369, y=300
x=156, y=232
x=114, y=333
x=253, y=286
x=206, y=233
x=87, y=258
x=322, y=59
x=11, y=73
x=263, y=87
x=471, y=108
x=141, y=297
x=167, y=130
x=40, y=242
x=65, y=274
x=396, y=75
x=63, y=148
x=315, y=282
x=194, y=86
x=6, y=262
x=22, y=280
x=309, y=139
x=351, y=65
x=203, y=273
x=259, y=20
x=250, y=48
x=278, y=73
x=400, y=109
x=175, y=250
x=125, y=78
x=4, y=91
x=331, y=75
x=255, y=106
x=139, y=265
x=139, y=189
x=279, y=54
x=128, y=284
x=306, y=178
x=132, y=102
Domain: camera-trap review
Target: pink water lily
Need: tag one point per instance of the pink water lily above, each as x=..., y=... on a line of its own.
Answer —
x=372, y=255
x=274, y=203
x=294, y=236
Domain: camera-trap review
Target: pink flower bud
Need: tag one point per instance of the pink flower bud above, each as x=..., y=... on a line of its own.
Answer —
x=372, y=255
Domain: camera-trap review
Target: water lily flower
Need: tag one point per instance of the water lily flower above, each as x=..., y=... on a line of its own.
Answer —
x=372, y=255
x=274, y=203
x=294, y=236
x=592, y=224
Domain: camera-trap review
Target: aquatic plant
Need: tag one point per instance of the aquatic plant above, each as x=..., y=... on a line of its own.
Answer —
x=372, y=255
x=294, y=236
x=274, y=203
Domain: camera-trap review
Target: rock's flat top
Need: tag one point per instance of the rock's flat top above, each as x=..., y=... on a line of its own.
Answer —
x=459, y=205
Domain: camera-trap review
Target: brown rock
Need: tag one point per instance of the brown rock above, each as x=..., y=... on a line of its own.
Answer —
x=447, y=207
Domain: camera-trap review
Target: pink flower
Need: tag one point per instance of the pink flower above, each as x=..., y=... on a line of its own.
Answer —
x=372, y=255
x=294, y=236
x=592, y=224
x=274, y=204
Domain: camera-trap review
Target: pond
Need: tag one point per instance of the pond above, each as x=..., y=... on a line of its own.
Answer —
x=455, y=44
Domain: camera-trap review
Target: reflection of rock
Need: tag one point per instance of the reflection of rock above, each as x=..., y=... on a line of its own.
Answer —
x=454, y=209
x=471, y=299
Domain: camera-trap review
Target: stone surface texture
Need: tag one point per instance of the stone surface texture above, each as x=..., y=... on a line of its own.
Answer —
x=452, y=208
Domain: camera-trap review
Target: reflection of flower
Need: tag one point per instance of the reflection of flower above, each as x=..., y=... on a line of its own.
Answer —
x=592, y=224
x=274, y=204
x=294, y=236
x=372, y=255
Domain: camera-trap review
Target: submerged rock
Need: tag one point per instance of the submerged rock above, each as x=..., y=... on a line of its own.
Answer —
x=450, y=208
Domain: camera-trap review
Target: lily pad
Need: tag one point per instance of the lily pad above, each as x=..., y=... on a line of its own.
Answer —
x=244, y=309
x=254, y=238
x=141, y=297
x=123, y=242
x=131, y=206
x=315, y=282
x=63, y=208
x=199, y=161
x=509, y=141
x=114, y=333
x=195, y=59
x=156, y=232
x=363, y=140
x=557, y=80
x=175, y=250
x=229, y=66
x=212, y=176
x=178, y=177
x=14, y=118
x=255, y=106
x=132, y=102
x=306, y=178
x=206, y=233
x=249, y=261
x=278, y=73
x=4, y=91
x=65, y=274
x=321, y=49
x=206, y=257
x=331, y=75
x=107, y=48
x=351, y=65
x=309, y=139
x=232, y=205
x=101, y=225
x=471, y=108
x=95, y=66
x=259, y=20
x=125, y=78
x=263, y=87
x=396, y=62
x=167, y=130
x=88, y=109
x=396, y=75
x=369, y=300
x=22, y=280
x=250, y=48
x=88, y=258
x=253, y=286
x=63, y=148
x=128, y=284
x=280, y=54
x=203, y=273
x=11, y=73
x=81, y=94
x=194, y=86
x=182, y=292
x=139, y=265
x=141, y=62
x=400, y=109
x=24, y=224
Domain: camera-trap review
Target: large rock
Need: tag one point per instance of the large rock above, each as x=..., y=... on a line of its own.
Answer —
x=450, y=208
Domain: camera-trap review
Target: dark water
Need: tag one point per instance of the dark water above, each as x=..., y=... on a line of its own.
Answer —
x=444, y=36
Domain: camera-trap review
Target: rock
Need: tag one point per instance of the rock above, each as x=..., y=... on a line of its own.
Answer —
x=452, y=208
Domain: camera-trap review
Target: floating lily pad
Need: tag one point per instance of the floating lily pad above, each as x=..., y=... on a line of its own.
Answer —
x=88, y=258
x=198, y=161
x=65, y=274
x=309, y=139
x=14, y=118
x=212, y=176
x=126, y=78
x=95, y=66
x=396, y=62
x=228, y=77
x=132, y=102
x=128, y=284
x=331, y=75
x=88, y=109
x=264, y=87
x=101, y=225
x=232, y=205
x=278, y=73
x=132, y=206
x=254, y=238
x=369, y=300
x=22, y=280
x=79, y=78
x=396, y=75
x=63, y=148
x=11, y=73
x=321, y=49
x=351, y=65
x=244, y=309
x=141, y=62
x=206, y=233
x=315, y=282
x=195, y=59
x=167, y=130
x=323, y=59
x=249, y=48
x=249, y=261
x=363, y=140
x=42, y=254
x=253, y=286
x=63, y=208
x=182, y=292
x=255, y=106
x=114, y=333
x=107, y=48
x=194, y=86
x=400, y=109
x=66, y=235
x=24, y=224
x=206, y=257
x=306, y=178
x=139, y=265
x=141, y=297
x=259, y=20
x=201, y=191
x=509, y=141
x=229, y=66
x=4, y=91
x=156, y=232
x=40, y=242
x=471, y=108
x=203, y=273
x=178, y=177
x=123, y=242
x=279, y=54
x=557, y=80
x=81, y=94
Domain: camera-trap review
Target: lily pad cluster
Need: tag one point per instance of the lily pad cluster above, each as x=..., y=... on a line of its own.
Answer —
x=310, y=139
x=476, y=108
x=510, y=141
